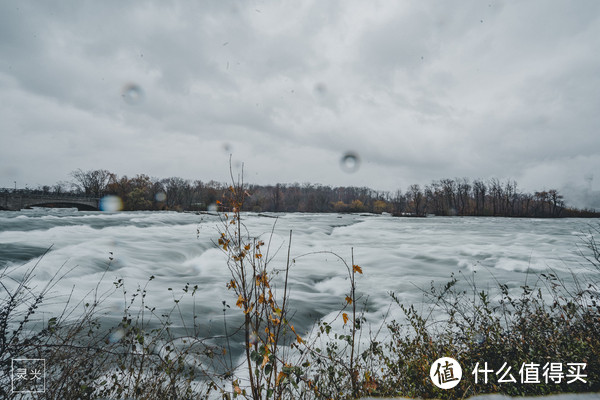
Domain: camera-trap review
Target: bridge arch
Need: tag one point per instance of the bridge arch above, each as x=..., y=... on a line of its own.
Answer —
x=63, y=204
x=17, y=200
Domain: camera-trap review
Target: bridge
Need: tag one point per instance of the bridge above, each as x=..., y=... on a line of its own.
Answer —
x=15, y=200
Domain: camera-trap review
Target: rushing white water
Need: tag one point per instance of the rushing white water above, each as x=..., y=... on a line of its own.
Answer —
x=396, y=254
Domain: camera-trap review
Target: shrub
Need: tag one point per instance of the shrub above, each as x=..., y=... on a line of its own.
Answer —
x=279, y=362
x=550, y=322
x=140, y=357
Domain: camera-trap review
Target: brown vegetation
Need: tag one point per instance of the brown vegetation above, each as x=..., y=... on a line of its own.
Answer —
x=445, y=197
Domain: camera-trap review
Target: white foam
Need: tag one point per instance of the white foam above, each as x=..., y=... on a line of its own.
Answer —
x=402, y=255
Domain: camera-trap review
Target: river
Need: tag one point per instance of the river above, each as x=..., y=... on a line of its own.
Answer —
x=400, y=255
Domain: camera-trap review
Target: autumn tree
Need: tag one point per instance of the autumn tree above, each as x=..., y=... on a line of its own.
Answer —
x=380, y=206
x=140, y=197
x=178, y=191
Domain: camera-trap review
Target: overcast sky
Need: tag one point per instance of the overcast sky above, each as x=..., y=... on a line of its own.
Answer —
x=419, y=90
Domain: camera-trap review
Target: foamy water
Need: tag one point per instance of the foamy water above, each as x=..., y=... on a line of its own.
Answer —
x=400, y=255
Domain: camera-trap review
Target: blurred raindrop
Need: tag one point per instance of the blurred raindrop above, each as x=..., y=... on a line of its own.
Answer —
x=132, y=94
x=227, y=147
x=320, y=88
x=253, y=338
x=350, y=162
x=479, y=338
x=111, y=203
x=213, y=207
x=116, y=336
x=160, y=196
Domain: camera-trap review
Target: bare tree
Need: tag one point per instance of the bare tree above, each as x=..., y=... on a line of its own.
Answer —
x=510, y=197
x=463, y=192
x=449, y=193
x=479, y=191
x=414, y=195
x=61, y=187
x=92, y=182
x=496, y=192
x=556, y=201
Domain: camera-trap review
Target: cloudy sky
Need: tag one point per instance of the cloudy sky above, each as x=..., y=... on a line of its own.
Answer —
x=418, y=90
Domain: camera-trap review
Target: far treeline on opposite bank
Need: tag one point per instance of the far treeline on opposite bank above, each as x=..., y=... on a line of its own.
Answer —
x=445, y=197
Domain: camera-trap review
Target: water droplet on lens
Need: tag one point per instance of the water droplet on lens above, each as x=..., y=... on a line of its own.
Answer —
x=111, y=203
x=160, y=196
x=350, y=162
x=253, y=338
x=132, y=94
x=117, y=335
x=321, y=88
x=479, y=338
x=227, y=147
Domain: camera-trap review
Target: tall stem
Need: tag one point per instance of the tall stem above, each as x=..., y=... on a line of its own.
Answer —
x=353, y=294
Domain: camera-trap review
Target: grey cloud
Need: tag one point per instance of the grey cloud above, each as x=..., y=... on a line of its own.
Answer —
x=420, y=90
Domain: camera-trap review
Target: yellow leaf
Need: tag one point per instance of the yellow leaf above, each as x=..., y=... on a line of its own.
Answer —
x=236, y=387
x=279, y=377
x=240, y=301
x=345, y=317
x=348, y=299
x=356, y=268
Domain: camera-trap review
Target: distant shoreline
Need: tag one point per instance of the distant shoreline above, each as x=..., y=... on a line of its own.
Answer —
x=103, y=190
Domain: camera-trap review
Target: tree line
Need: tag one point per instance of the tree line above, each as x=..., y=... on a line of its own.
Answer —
x=445, y=197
